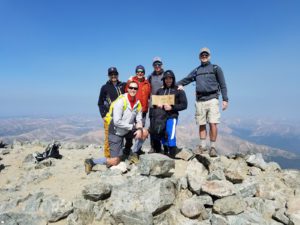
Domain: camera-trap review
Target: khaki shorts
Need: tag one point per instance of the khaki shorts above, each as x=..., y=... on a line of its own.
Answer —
x=207, y=112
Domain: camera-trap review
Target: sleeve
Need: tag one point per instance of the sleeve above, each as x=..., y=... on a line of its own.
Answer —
x=188, y=79
x=182, y=105
x=222, y=83
x=101, y=102
x=118, y=114
x=139, y=116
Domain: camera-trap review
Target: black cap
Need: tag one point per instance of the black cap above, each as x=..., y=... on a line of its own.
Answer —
x=112, y=70
x=168, y=73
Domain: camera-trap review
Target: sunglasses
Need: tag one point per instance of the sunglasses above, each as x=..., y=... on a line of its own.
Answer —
x=133, y=88
x=204, y=55
x=157, y=65
x=113, y=74
x=140, y=71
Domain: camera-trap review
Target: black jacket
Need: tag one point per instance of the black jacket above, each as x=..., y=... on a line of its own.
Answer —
x=108, y=94
x=180, y=98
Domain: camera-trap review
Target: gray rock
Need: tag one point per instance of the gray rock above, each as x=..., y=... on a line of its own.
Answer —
x=292, y=178
x=4, y=151
x=147, y=194
x=293, y=209
x=55, y=208
x=234, y=177
x=156, y=165
x=22, y=219
x=185, y=154
x=83, y=213
x=248, y=188
x=96, y=191
x=196, y=174
x=218, y=188
x=193, y=208
x=247, y=218
x=216, y=175
x=33, y=202
x=231, y=205
x=266, y=208
x=44, y=164
x=254, y=171
x=136, y=218
x=206, y=200
x=273, y=167
x=257, y=160
x=182, y=183
x=237, y=169
x=280, y=216
x=218, y=220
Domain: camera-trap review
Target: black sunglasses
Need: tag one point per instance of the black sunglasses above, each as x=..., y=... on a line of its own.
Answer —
x=113, y=74
x=134, y=88
x=204, y=55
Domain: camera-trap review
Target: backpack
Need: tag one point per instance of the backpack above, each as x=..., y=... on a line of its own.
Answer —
x=158, y=122
x=52, y=151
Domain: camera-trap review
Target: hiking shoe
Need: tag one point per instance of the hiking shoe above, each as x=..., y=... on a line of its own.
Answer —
x=200, y=150
x=213, y=152
x=134, y=158
x=88, y=165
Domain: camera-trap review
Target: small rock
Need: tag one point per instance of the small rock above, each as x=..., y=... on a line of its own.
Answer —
x=196, y=174
x=192, y=208
x=216, y=175
x=234, y=177
x=231, y=205
x=257, y=160
x=218, y=220
x=121, y=166
x=280, y=216
x=185, y=154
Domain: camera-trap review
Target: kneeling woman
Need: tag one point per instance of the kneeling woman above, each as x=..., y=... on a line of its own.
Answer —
x=169, y=88
x=125, y=120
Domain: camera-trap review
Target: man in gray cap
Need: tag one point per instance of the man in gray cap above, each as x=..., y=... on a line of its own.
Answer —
x=210, y=82
x=155, y=79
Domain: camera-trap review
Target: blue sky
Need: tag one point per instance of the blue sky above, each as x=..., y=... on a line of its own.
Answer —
x=54, y=54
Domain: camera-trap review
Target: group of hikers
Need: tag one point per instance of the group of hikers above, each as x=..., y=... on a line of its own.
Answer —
x=124, y=108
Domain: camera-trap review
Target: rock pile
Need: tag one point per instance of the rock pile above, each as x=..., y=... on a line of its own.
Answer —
x=235, y=190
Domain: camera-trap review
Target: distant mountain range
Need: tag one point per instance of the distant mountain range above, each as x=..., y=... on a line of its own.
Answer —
x=277, y=141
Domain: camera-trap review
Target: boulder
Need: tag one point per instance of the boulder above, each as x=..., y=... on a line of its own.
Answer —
x=142, y=194
x=156, y=165
x=230, y=205
x=13, y=218
x=196, y=174
x=97, y=191
x=56, y=208
x=218, y=188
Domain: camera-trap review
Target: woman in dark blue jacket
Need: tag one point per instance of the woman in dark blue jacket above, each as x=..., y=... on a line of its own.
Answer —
x=169, y=88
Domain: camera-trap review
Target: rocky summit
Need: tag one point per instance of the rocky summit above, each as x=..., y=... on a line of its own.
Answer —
x=190, y=190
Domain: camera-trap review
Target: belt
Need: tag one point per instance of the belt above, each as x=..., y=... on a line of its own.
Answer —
x=200, y=94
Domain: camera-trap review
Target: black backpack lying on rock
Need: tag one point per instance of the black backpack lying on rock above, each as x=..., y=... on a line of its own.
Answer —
x=52, y=151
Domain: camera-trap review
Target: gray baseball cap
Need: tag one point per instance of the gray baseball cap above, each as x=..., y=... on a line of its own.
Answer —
x=204, y=50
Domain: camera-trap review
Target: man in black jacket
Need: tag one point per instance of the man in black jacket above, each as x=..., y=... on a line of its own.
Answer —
x=210, y=82
x=169, y=88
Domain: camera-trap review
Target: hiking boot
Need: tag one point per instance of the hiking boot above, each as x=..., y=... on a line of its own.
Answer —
x=134, y=158
x=88, y=165
x=200, y=150
x=213, y=152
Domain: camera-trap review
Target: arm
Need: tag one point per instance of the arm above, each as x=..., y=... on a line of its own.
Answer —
x=118, y=114
x=182, y=105
x=103, y=108
x=222, y=83
x=188, y=79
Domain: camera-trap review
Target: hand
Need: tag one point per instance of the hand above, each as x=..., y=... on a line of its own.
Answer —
x=224, y=105
x=159, y=106
x=145, y=134
x=138, y=134
x=180, y=88
x=167, y=107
